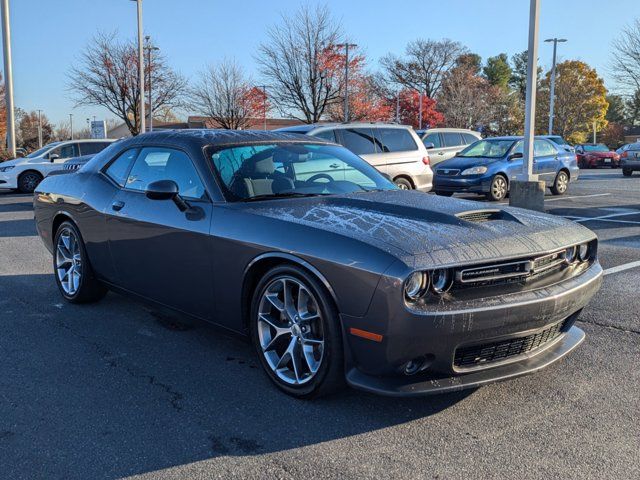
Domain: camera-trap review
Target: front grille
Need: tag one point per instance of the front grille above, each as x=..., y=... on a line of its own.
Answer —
x=448, y=172
x=478, y=355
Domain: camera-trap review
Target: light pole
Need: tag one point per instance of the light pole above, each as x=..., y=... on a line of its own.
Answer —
x=141, y=68
x=346, y=47
x=89, y=126
x=149, y=49
x=8, y=79
x=39, y=128
x=552, y=93
x=71, y=125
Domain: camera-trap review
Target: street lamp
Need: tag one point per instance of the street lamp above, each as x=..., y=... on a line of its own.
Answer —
x=552, y=93
x=8, y=79
x=346, y=47
x=149, y=48
x=141, y=67
x=71, y=124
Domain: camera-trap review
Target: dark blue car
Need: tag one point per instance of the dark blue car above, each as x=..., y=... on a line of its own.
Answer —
x=487, y=167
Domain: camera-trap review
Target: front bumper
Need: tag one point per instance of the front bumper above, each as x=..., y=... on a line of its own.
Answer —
x=438, y=333
x=630, y=164
x=8, y=181
x=457, y=183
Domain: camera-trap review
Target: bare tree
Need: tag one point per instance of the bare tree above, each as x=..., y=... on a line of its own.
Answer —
x=294, y=63
x=106, y=75
x=424, y=66
x=465, y=99
x=224, y=94
x=625, y=59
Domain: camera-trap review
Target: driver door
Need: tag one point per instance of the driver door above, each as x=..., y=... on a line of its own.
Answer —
x=63, y=153
x=158, y=251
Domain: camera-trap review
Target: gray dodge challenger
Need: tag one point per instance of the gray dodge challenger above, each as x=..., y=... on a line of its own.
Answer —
x=334, y=274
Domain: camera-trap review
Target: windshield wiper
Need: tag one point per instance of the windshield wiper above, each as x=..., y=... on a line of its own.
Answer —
x=282, y=195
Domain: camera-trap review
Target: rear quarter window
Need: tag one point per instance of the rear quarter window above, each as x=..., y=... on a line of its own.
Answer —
x=391, y=140
x=468, y=138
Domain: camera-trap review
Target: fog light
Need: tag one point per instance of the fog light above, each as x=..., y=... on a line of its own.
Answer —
x=441, y=280
x=415, y=285
x=570, y=254
x=583, y=252
x=412, y=366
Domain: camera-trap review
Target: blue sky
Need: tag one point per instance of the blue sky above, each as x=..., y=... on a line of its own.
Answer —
x=49, y=34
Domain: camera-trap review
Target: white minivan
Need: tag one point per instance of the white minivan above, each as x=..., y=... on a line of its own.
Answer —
x=24, y=174
x=445, y=143
x=395, y=150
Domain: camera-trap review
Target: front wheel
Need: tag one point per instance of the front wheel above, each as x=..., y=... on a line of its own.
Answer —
x=295, y=331
x=561, y=183
x=403, y=183
x=28, y=181
x=73, y=273
x=498, y=189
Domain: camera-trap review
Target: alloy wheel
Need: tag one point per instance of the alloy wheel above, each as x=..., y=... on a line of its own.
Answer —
x=562, y=183
x=68, y=262
x=290, y=330
x=30, y=181
x=499, y=188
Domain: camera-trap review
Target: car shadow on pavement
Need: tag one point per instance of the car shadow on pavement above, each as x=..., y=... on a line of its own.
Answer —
x=16, y=207
x=111, y=389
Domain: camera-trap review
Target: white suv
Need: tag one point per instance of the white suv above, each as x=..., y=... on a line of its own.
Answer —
x=26, y=173
x=394, y=150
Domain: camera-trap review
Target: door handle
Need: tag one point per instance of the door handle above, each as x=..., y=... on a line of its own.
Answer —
x=440, y=153
x=334, y=165
x=117, y=206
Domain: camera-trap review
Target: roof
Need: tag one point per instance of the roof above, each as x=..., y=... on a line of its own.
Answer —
x=312, y=126
x=205, y=136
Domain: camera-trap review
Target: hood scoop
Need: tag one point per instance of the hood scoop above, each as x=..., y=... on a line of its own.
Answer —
x=481, y=216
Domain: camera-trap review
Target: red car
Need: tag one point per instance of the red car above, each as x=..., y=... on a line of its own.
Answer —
x=593, y=155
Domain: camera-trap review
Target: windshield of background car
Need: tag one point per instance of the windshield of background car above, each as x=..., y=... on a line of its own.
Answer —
x=596, y=148
x=42, y=150
x=487, y=149
x=293, y=169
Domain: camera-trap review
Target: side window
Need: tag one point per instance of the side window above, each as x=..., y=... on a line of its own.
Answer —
x=359, y=140
x=519, y=148
x=158, y=163
x=326, y=135
x=542, y=148
x=91, y=148
x=468, y=138
x=394, y=140
x=452, y=139
x=118, y=168
x=433, y=138
x=67, y=151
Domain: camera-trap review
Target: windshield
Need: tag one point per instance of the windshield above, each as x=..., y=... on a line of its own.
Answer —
x=596, y=148
x=292, y=169
x=487, y=149
x=40, y=151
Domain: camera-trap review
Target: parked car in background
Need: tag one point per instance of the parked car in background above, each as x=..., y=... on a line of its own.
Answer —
x=559, y=142
x=395, y=150
x=488, y=166
x=24, y=174
x=444, y=143
x=630, y=159
x=333, y=280
x=594, y=155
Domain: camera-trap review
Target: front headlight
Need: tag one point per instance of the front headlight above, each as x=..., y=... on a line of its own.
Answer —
x=416, y=285
x=474, y=171
x=6, y=169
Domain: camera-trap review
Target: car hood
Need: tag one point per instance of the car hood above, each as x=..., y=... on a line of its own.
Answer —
x=12, y=163
x=465, y=162
x=427, y=230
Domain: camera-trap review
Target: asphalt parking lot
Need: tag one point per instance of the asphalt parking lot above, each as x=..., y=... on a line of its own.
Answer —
x=113, y=390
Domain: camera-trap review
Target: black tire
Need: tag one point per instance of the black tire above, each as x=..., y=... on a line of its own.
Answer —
x=403, y=183
x=28, y=181
x=329, y=376
x=499, y=188
x=560, y=184
x=444, y=194
x=89, y=289
x=627, y=172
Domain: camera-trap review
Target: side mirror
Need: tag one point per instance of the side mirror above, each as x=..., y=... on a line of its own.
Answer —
x=513, y=156
x=53, y=157
x=166, y=190
x=429, y=145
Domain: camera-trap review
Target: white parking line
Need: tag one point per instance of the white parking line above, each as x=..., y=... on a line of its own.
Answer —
x=611, y=215
x=622, y=268
x=553, y=199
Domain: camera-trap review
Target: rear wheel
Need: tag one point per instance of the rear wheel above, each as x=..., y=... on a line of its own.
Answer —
x=295, y=331
x=73, y=273
x=403, y=184
x=498, y=189
x=627, y=172
x=28, y=181
x=561, y=183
